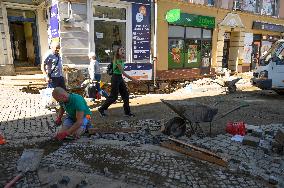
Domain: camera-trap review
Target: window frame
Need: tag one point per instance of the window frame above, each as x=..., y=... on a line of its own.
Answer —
x=128, y=43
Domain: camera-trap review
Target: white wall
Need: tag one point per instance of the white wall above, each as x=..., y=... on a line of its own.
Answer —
x=42, y=32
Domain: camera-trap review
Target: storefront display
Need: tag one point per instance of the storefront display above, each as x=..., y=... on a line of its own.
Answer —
x=190, y=40
x=189, y=47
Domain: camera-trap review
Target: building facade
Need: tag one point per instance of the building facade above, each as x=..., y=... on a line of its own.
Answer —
x=21, y=24
x=81, y=26
x=200, y=37
x=188, y=38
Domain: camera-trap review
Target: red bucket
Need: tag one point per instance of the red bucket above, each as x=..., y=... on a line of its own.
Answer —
x=236, y=128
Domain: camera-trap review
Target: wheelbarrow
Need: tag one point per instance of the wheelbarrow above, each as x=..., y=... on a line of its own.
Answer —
x=192, y=114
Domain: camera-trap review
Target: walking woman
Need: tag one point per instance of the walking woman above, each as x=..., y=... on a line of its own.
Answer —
x=118, y=85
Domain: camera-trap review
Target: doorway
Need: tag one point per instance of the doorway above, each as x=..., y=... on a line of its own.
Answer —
x=226, y=49
x=24, y=39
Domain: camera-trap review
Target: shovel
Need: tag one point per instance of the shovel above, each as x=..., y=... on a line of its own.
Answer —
x=28, y=162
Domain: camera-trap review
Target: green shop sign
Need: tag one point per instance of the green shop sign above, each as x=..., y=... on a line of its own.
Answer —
x=176, y=17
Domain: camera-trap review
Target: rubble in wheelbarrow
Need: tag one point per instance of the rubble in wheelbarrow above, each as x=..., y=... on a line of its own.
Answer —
x=263, y=161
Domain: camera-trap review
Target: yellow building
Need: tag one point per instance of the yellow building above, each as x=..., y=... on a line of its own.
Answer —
x=194, y=39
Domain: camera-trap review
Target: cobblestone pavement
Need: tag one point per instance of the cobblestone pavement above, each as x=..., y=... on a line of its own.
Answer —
x=148, y=165
x=23, y=119
x=24, y=122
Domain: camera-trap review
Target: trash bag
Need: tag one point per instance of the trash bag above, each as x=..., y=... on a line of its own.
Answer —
x=46, y=97
x=91, y=91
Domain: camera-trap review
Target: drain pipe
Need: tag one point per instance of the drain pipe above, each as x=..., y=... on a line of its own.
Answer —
x=154, y=59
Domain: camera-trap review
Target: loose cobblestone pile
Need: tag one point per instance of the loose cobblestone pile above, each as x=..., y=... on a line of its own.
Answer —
x=245, y=159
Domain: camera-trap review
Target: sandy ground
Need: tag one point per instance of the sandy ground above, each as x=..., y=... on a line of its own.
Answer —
x=265, y=107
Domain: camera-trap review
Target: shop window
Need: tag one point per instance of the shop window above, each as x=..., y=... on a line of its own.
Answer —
x=109, y=31
x=207, y=34
x=109, y=12
x=176, y=31
x=192, y=32
x=192, y=55
x=189, y=47
x=176, y=53
x=108, y=36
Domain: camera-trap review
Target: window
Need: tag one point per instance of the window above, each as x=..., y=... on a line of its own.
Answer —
x=265, y=7
x=108, y=36
x=109, y=31
x=189, y=47
x=192, y=32
x=176, y=31
x=207, y=34
x=109, y=12
x=249, y=5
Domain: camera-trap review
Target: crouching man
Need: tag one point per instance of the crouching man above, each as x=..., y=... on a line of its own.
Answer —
x=77, y=111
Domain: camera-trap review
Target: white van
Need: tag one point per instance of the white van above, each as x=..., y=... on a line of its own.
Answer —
x=269, y=74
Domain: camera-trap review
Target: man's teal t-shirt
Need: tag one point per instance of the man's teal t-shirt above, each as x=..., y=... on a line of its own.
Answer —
x=75, y=104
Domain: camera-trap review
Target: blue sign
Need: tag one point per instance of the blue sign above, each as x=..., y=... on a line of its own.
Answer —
x=54, y=22
x=141, y=31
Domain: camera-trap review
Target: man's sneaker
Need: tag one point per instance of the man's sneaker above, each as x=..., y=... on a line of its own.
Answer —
x=101, y=112
x=129, y=115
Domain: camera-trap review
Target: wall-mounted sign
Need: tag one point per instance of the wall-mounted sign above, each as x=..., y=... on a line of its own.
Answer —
x=54, y=21
x=227, y=36
x=177, y=18
x=140, y=71
x=268, y=26
x=141, y=36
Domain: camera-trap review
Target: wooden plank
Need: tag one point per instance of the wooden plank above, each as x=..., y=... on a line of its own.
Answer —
x=194, y=147
x=195, y=154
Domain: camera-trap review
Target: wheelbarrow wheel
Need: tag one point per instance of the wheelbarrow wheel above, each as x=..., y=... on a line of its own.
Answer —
x=175, y=127
x=232, y=89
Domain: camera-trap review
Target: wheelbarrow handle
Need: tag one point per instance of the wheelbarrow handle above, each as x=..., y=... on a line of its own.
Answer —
x=14, y=180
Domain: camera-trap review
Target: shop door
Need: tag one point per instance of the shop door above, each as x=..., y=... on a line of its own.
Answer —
x=109, y=31
x=255, y=54
x=225, y=59
x=206, y=56
x=23, y=37
x=18, y=41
